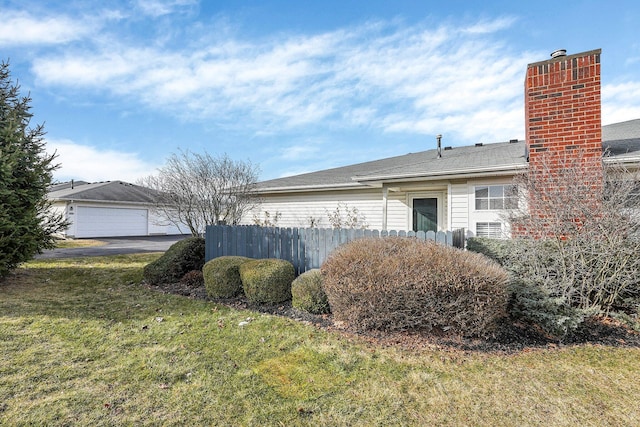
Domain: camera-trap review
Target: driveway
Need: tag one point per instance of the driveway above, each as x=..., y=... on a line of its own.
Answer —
x=117, y=246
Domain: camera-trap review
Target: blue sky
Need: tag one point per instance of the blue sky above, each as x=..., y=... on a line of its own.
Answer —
x=295, y=86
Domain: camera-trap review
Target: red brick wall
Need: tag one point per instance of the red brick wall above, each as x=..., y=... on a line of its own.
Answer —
x=562, y=106
x=563, y=119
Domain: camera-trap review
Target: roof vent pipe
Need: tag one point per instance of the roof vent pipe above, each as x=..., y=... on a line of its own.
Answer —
x=439, y=138
x=558, y=53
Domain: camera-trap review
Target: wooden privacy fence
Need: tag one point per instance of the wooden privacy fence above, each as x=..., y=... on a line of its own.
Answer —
x=305, y=248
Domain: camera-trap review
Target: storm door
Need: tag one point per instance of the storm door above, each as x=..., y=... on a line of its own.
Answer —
x=425, y=214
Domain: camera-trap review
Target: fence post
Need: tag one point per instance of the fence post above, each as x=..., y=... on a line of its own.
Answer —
x=458, y=240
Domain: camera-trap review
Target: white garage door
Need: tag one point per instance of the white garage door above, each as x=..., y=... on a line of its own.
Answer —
x=110, y=222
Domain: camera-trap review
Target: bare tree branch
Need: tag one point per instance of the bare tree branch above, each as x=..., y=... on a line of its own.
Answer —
x=579, y=237
x=198, y=189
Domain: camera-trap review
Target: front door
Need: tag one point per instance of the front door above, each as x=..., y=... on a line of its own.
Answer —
x=425, y=214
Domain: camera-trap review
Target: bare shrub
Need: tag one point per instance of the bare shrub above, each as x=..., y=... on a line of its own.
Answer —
x=403, y=284
x=267, y=220
x=577, y=252
x=344, y=216
x=193, y=279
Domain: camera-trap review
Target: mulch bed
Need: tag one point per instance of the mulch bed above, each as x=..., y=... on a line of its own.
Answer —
x=508, y=338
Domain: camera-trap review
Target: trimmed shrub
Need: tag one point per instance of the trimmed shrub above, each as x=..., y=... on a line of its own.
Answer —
x=498, y=250
x=182, y=257
x=267, y=280
x=307, y=293
x=193, y=279
x=407, y=284
x=222, y=276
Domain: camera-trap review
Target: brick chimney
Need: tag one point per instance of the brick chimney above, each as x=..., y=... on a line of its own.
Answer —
x=563, y=135
x=562, y=107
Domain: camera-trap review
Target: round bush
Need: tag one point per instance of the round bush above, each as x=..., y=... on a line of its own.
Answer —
x=267, y=280
x=182, y=257
x=307, y=293
x=222, y=276
x=408, y=284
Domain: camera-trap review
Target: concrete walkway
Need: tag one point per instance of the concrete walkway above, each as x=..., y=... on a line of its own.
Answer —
x=116, y=246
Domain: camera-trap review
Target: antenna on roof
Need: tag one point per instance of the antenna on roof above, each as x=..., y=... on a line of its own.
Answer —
x=439, y=138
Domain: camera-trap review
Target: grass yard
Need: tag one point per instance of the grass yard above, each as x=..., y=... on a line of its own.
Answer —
x=78, y=243
x=83, y=343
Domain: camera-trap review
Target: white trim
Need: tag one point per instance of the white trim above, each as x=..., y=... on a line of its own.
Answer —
x=449, y=208
x=385, y=205
x=438, y=195
x=451, y=174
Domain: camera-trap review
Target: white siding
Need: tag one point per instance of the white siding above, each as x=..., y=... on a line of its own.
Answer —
x=159, y=225
x=456, y=209
x=459, y=206
x=296, y=209
x=397, y=211
x=484, y=216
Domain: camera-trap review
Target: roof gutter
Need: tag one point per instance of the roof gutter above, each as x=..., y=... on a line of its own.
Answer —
x=310, y=188
x=634, y=160
x=360, y=182
x=123, y=202
x=439, y=175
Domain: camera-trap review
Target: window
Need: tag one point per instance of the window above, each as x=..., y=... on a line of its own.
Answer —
x=490, y=197
x=425, y=214
x=489, y=229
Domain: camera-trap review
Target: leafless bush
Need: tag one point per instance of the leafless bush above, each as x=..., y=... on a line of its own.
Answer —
x=267, y=219
x=344, y=216
x=579, y=249
x=403, y=284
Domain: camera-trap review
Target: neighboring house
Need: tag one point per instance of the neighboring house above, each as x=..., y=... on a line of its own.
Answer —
x=463, y=187
x=108, y=209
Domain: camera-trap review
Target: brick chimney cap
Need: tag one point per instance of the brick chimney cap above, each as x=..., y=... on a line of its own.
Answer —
x=559, y=52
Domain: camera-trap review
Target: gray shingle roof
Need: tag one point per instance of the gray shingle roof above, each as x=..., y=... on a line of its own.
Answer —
x=113, y=191
x=620, y=140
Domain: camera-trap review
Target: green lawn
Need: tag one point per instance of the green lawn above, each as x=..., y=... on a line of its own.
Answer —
x=78, y=243
x=83, y=343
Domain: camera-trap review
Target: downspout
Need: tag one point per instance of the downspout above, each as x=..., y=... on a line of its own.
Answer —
x=385, y=198
x=449, y=208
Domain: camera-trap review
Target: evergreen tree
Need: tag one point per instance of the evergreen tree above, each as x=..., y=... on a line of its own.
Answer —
x=27, y=223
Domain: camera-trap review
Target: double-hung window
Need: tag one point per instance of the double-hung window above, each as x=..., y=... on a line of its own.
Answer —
x=495, y=197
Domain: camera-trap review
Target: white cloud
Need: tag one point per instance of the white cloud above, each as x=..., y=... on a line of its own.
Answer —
x=620, y=102
x=459, y=80
x=83, y=162
x=301, y=151
x=490, y=26
x=21, y=28
x=395, y=77
x=156, y=8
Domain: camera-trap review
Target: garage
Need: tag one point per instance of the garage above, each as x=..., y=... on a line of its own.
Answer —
x=110, y=222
